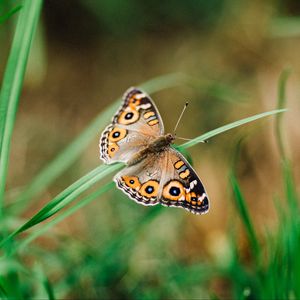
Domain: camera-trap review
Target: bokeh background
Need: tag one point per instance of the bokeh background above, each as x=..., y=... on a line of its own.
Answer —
x=85, y=55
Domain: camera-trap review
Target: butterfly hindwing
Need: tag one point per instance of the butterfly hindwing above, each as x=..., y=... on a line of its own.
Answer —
x=181, y=186
x=167, y=178
x=141, y=181
x=133, y=127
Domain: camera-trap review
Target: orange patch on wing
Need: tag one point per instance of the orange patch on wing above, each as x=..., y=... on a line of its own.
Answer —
x=178, y=164
x=184, y=174
x=149, y=189
x=134, y=101
x=153, y=122
x=191, y=197
x=112, y=149
x=132, y=182
x=117, y=134
x=174, y=190
x=149, y=114
x=128, y=117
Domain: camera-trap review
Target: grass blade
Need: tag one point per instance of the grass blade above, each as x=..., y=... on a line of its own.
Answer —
x=13, y=81
x=290, y=188
x=281, y=100
x=227, y=127
x=48, y=288
x=45, y=288
x=71, y=193
x=65, y=198
x=245, y=217
x=86, y=200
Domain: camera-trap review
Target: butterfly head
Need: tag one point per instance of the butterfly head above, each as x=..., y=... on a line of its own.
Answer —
x=170, y=138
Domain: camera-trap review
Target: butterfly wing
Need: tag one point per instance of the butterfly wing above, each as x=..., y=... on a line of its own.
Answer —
x=133, y=127
x=164, y=177
x=141, y=181
x=181, y=186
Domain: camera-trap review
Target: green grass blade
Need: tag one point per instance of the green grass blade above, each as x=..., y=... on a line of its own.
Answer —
x=49, y=289
x=71, y=193
x=245, y=217
x=13, y=81
x=83, y=202
x=281, y=101
x=6, y=16
x=290, y=188
x=3, y=293
x=65, y=198
x=72, y=152
x=45, y=288
x=227, y=127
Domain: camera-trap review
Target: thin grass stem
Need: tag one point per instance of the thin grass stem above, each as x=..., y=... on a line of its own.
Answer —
x=13, y=81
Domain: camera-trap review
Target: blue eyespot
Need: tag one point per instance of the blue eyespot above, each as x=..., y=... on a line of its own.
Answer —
x=116, y=134
x=149, y=189
x=174, y=191
x=129, y=116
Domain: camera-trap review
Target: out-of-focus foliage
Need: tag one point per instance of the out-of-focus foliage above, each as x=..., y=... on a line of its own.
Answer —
x=86, y=53
x=135, y=16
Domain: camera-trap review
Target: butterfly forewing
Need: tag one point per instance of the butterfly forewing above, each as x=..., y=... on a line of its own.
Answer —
x=133, y=127
x=137, y=100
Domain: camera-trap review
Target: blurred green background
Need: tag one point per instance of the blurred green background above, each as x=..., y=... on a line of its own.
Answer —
x=227, y=57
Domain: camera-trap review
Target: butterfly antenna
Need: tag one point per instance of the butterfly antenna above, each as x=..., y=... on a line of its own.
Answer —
x=184, y=108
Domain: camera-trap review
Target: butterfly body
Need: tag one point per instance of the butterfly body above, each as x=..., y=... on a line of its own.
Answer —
x=157, y=146
x=155, y=172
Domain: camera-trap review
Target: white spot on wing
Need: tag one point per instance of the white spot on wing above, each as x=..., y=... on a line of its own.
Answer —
x=193, y=184
x=144, y=106
x=202, y=197
x=139, y=96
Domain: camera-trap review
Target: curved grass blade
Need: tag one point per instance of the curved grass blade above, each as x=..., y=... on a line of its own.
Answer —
x=83, y=202
x=13, y=81
x=245, y=217
x=289, y=182
x=281, y=100
x=227, y=127
x=45, y=290
x=66, y=197
x=71, y=193
x=49, y=289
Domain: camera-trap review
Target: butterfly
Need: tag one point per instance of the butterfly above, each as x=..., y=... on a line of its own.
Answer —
x=155, y=172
